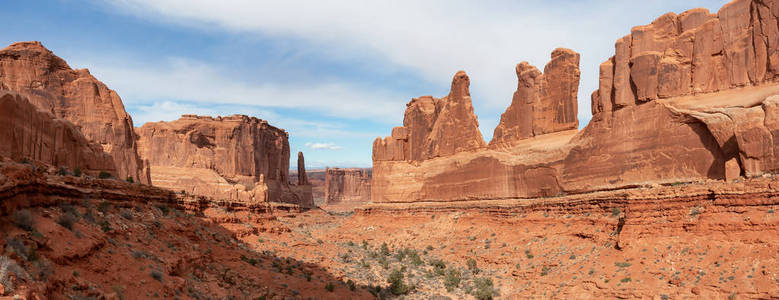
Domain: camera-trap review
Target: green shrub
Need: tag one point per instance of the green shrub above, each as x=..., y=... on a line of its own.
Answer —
x=130, y=179
x=127, y=214
x=67, y=220
x=77, y=172
x=385, y=250
x=397, y=285
x=330, y=287
x=414, y=258
x=157, y=275
x=23, y=219
x=471, y=263
x=352, y=286
x=626, y=279
x=622, y=264
x=483, y=289
x=452, y=280
x=104, y=175
x=63, y=171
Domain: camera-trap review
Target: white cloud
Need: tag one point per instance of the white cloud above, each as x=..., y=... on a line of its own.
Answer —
x=176, y=80
x=323, y=146
x=431, y=38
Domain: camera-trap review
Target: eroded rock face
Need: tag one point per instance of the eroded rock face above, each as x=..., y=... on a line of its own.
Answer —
x=236, y=158
x=692, y=53
x=352, y=186
x=27, y=132
x=302, y=176
x=689, y=97
x=74, y=95
x=543, y=103
x=434, y=127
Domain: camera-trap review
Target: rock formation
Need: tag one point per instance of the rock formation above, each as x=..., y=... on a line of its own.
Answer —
x=49, y=83
x=347, y=186
x=235, y=158
x=434, y=127
x=302, y=176
x=29, y=133
x=543, y=103
x=689, y=97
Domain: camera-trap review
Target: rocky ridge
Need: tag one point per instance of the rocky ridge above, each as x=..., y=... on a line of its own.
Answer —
x=685, y=98
x=236, y=158
x=49, y=83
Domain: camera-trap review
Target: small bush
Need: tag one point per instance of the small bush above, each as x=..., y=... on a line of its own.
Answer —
x=352, y=286
x=385, y=249
x=330, y=287
x=414, y=258
x=626, y=279
x=104, y=206
x=77, y=172
x=452, y=280
x=63, y=171
x=483, y=289
x=130, y=179
x=397, y=285
x=615, y=211
x=157, y=275
x=67, y=220
x=528, y=254
x=471, y=263
x=127, y=214
x=104, y=175
x=622, y=264
x=23, y=219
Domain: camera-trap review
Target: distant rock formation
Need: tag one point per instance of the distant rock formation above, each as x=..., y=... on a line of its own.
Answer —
x=543, y=103
x=434, y=127
x=27, y=132
x=235, y=158
x=689, y=97
x=347, y=186
x=302, y=176
x=49, y=83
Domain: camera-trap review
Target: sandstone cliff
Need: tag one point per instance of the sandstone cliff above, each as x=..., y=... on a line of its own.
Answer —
x=235, y=158
x=347, y=186
x=27, y=132
x=689, y=97
x=434, y=127
x=75, y=95
x=543, y=103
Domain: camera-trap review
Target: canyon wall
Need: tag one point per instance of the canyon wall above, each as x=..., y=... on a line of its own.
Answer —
x=689, y=97
x=27, y=132
x=347, y=186
x=236, y=158
x=49, y=83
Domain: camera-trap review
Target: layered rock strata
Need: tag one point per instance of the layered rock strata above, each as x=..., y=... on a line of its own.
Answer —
x=29, y=133
x=434, y=127
x=689, y=97
x=49, y=83
x=347, y=186
x=236, y=158
x=543, y=103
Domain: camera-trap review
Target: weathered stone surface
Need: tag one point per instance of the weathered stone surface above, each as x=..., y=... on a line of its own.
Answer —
x=687, y=98
x=692, y=53
x=237, y=158
x=75, y=95
x=27, y=132
x=543, y=103
x=302, y=176
x=347, y=186
x=434, y=127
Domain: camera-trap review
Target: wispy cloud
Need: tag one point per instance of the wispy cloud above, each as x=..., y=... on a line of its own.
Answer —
x=323, y=146
x=434, y=38
x=176, y=80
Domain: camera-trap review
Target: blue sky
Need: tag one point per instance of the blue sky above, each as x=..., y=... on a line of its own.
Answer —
x=334, y=74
